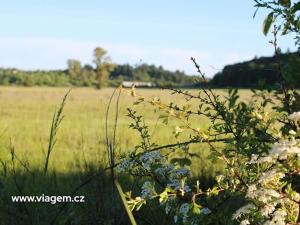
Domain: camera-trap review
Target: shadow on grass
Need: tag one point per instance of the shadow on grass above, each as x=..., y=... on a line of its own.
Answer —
x=101, y=205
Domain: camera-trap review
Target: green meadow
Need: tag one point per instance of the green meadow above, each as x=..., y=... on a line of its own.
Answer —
x=80, y=151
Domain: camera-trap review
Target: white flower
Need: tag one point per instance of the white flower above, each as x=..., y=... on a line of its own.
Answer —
x=294, y=116
x=270, y=176
x=279, y=214
x=176, y=185
x=267, y=195
x=180, y=173
x=150, y=158
x=284, y=148
x=253, y=160
x=176, y=176
x=243, y=210
x=280, y=150
x=278, y=218
x=168, y=209
x=175, y=219
x=164, y=170
x=251, y=192
x=256, y=159
x=205, y=211
x=183, y=210
x=124, y=165
x=266, y=159
x=147, y=190
x=268, y=209
x=244, y=222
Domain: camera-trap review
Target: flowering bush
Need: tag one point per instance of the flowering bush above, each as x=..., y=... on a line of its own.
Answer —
x=257, y=140
x=262, y=160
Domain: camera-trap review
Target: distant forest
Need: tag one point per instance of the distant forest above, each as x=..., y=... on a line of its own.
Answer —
x=261, y=72
x=249, y=74
x=87, y=76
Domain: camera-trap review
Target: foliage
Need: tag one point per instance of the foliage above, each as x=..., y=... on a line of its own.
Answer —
x=260, y=150
x=158, y=75
x=103, y=66
x=286, y=13
x=88, y=76
x=259, y=72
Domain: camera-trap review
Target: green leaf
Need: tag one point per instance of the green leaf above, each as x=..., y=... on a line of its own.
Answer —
x=163, y=197
x=267, y=23
x=296, y=7
x=196, y=209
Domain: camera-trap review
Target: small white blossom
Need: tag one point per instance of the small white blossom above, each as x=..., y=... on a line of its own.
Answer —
x=251, y=191
x=253, y=160
x=176, y=176
x=184, y=210
x=278, y=218
x=243, y=210
x=168, y=209
x=176, y=185
x=175, y=219
x=180, y=173
x=266, y=159
x=268, y=209
x=270, y=176
x=244, y=222
x=205, y=211
x=282, y=149
x=148, y=159
x=267, y=195
x=164, y=170
x=124, y=165
x=294, y=116
x=147, y=190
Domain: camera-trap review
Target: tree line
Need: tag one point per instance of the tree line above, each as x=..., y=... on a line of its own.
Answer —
x=260, y=72
x=102, y=72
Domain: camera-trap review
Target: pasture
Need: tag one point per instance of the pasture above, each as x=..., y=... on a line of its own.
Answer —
x=25, y=120
x=26, y=114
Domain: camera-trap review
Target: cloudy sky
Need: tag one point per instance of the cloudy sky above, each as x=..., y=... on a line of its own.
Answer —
x=44, y=34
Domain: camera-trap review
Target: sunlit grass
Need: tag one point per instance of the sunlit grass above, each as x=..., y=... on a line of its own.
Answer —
x=25, y=119
x=80, y=152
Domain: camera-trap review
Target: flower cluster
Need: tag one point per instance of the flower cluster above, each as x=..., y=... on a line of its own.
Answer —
x=294, y=116
x=273, y=201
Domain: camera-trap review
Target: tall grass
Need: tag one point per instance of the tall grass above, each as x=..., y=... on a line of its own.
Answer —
x=90, y=140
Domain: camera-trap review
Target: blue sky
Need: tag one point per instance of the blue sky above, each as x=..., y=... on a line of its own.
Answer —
x=44, y=34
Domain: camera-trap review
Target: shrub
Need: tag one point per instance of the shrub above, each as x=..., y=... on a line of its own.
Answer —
x=256, y=139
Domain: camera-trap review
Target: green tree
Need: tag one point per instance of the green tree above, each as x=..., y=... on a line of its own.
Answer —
x=74, y=68
x=104, y=66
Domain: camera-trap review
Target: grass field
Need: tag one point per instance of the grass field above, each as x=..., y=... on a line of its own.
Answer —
x=25, y=120
x=26, y=114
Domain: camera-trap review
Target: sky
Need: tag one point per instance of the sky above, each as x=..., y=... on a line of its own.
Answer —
x=44, y=34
